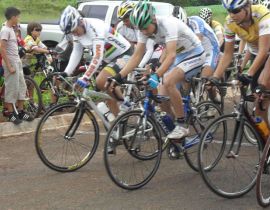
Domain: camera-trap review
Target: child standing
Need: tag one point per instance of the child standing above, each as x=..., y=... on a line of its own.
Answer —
x=15, y=87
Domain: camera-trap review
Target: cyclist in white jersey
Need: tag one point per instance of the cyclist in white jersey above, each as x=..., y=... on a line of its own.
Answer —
x=126, y=29
x=106, y=45
x=184, y=56
x=208, y=38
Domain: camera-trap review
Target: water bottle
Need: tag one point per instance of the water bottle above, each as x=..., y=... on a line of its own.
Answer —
x=262, y=127
x=168, y=121
x=102, y=107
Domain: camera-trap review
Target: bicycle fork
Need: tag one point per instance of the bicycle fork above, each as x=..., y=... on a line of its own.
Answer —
x=75, y=121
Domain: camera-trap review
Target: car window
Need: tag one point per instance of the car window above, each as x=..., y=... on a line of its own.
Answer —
x=114, y=17
x=95, y=11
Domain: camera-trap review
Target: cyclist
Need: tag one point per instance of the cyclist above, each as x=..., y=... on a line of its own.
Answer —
x=206, y=14
x=184, y=55
x=208, y=39
x=107, y=46
x=126, y=29
x=250, y=23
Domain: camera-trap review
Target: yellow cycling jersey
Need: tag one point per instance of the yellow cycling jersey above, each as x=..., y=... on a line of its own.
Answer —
x=217, y=27
x=259, y=27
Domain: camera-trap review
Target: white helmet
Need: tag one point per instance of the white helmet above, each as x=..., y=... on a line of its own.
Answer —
x=182, y=15
x=234, y=4
x=125, y=9
x=70, y=19
x=266, y=3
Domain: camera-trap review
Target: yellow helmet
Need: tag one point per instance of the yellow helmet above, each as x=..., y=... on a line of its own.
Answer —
x=125, y=9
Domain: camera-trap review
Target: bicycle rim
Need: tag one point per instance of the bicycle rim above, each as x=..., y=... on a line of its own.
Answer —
x=263, y=179
x=226, y=171
x=66, y=140
x=206, y=113
x=137, y=152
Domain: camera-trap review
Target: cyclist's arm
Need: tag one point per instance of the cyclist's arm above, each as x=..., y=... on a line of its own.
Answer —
x=148, y=54
x=225, y=59
x=98, y=51
x=264, y=45
x=169, y=58
x=75, y=58
x=219, y=34
x=134, y=60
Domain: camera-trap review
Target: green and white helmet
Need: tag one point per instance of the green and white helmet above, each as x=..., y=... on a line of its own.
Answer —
x=142, y=15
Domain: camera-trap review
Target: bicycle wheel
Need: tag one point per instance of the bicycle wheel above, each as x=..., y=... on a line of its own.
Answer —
x=137, y=150
x=67, y=137
x=205, y=113
x=263, y=179
x=229, y=169
x=33, y=101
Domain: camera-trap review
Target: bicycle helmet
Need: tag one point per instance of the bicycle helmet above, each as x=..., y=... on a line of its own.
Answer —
x=266, y=3
x=206, y=14
x=125, y=9
x=182, y=15
x=142, y=14
x=234, y=4
x=69, y=20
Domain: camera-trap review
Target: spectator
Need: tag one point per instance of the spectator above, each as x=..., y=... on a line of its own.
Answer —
x=15, y=87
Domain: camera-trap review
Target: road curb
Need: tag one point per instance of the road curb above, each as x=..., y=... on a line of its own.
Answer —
x=8, y=129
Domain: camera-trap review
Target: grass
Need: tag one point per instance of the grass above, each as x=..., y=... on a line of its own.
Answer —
x=219, y=13
x=39, y=10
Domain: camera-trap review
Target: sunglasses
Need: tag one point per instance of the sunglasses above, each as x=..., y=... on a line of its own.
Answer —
x=37, y=29
x=235, y=11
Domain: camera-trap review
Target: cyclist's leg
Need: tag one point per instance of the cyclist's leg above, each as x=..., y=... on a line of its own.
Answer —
x=186, y=66
x=211, y=61
x=264, y=79
x=100, y=82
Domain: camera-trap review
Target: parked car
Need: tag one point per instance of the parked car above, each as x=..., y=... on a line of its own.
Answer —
x=105, y=10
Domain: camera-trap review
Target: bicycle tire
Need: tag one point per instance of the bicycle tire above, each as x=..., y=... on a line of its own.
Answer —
x=199, y=123
x=262, y=184
x=113, y=164
x=79, y=144
x=217, y=174
x=33, y=104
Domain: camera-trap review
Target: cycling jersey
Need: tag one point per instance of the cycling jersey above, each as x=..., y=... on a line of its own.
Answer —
x=190, y=53
x=260, y=26
x=171, y=29
x=103, y=40
x=209, y=39
x=131, y=35
x=217, y=27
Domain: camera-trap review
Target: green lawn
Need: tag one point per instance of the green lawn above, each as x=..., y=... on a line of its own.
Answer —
x=36, y=11
x=219, y=12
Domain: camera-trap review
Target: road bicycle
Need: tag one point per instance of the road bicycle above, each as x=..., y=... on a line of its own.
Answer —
x=139, y=137
x=263, y=179
x=227, y=158
x=67, y=136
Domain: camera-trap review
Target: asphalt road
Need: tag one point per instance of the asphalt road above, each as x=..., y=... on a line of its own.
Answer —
x=28, y=184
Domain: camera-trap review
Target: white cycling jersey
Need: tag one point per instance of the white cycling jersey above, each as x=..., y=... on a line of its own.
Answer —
x=171, y=29
x=132, y=36
x=103, y=40
x=199, y=26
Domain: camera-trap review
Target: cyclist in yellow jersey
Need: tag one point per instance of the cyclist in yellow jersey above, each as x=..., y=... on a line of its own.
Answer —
x=252, y=24
x=206, y=14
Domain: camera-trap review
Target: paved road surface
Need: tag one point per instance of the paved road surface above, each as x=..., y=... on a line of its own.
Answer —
x=27, y=184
